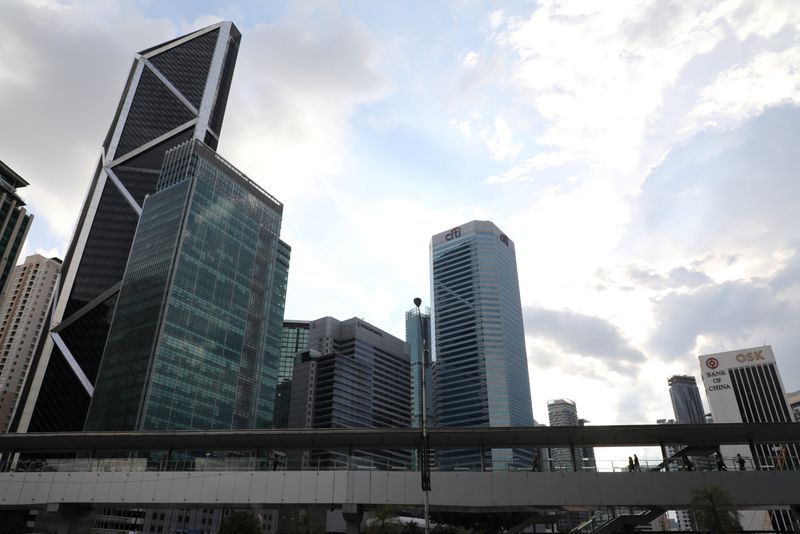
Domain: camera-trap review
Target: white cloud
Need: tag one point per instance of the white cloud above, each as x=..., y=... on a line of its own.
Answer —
x=744, y=91
x=602, y=74
x=525, y=171
x=499, y=140
x=469, y=60
x=496, y=19
x=463, y=127
x=296, y=87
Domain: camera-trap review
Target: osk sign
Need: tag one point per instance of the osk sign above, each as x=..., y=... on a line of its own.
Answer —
x=750, y=356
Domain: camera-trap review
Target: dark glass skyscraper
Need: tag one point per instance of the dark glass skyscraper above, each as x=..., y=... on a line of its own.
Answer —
x=418, y=328
x=195, y=340
x=175, y=91
x=481, y=376
x=293, y=340
x=14, y=221
x=686, y=402
x=354, y=375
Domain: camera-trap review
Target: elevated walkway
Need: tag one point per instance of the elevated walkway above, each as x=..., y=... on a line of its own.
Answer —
x=477, y=491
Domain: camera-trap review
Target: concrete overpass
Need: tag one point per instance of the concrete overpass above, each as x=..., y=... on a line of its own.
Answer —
x=104, y=470
x=450, y=490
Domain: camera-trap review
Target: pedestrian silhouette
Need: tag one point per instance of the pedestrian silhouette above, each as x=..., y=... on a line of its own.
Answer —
x=636, y=465
x=689, y=464
x=740, y=461
x=535, y=462
x=631, y=465
x=720, y=463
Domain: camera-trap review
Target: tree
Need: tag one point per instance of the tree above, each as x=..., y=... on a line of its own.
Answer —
x=383, y=520
x=240, y=523
x=714, y=510
x=306, y=524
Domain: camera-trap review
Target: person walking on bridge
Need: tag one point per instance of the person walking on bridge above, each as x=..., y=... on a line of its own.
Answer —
x=720, y=462
x=740, y=461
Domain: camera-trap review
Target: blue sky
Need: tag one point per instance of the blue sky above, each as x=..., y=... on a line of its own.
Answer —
x=642, y=156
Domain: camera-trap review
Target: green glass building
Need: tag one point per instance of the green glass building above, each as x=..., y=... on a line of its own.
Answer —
x=195, y=339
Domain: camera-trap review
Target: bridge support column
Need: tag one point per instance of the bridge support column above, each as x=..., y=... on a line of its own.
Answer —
x=63, y=519
x=353, y=515
x=572, y=453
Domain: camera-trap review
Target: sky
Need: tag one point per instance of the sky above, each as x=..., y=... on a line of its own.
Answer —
x=642, y=155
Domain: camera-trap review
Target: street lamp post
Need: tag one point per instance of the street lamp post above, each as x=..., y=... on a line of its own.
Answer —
x=424, y=451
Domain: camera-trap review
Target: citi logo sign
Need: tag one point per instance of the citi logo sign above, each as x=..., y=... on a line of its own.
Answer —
x=750, y=356
x=455, y=233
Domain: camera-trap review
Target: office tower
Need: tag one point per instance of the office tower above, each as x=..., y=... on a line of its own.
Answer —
x=684, y=520
x=175, y=91
x=293, y=340
x=23, y=311
x=744, y=386
x=14, y=221
x=794, y=403
x=195, y=340
x=686, y=401
x=418, y=330
x=563, y=412
x=589, y=459
x=481, y=377
x=354, y=375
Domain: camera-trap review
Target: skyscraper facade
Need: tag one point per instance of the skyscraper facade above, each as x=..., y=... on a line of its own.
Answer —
x=418, y=336
x=683, y=518
x=481, y=377
x=293, y=340
x=563, y=412
x=589, y=458
x=23, y=311
x=195, y=340
x=686, y=402
x=744, y=386
x=354, y=375
x=15, y=221
x=794, y=403
x=175, y=91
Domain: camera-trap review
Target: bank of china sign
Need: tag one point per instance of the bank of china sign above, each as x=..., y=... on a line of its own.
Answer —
x=717, y=378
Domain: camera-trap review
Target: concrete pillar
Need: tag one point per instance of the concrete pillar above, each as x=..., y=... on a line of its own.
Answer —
x=353, y=515
x=64, y=519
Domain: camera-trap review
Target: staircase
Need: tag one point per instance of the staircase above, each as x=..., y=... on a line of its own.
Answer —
x=617, y=519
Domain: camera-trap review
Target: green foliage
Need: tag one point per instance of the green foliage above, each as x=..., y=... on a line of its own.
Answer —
x=306, y=524
x=384, y=521
x=240, y=523
x=13, y=522
x=714, y=510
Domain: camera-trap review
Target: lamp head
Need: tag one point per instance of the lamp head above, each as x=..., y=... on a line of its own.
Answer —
x=417, y=302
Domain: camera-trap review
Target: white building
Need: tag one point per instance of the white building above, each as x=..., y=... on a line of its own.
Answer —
x=23, y=312
x=744, y=386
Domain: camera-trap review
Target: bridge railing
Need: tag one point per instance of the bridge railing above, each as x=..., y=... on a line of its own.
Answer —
x=375, y=464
